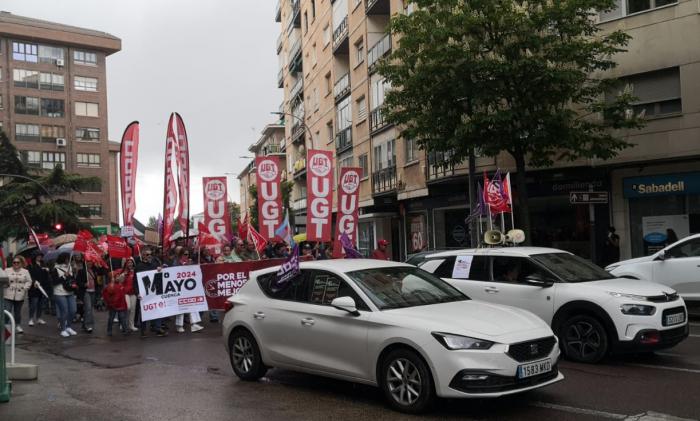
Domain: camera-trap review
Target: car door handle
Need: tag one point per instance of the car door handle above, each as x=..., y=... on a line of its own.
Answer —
x=491, y=290
x=307, y=322
x=259, y=315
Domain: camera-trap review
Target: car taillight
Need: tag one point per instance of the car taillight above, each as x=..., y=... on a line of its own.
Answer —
x=228, y=305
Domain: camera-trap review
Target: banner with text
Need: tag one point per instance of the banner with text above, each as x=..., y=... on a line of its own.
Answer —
x=128, y=162
x=318, y=187
x=216, y=216
x=268, y=173
x=170, y=193
x=348, y=203
x=222, y=280
x=172, y=291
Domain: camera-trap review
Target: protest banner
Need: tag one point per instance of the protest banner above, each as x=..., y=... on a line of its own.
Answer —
x=172, y=291
x=128, y=162
x=348, y=203
x=318, y=187
x=222, y=280
x=170, y=192
x=216, y=216
x=269, y=195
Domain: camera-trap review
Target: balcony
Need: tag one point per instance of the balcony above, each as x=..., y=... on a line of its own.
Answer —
x=340, y=37
x=384, y=180
x=278, y=11
x=280, y=40
x=299, y=204
x=441, y=165
x=296, y=14
x=295, y=59
x=342, y=87
x=299, y=168
x=377, y=120
x=280, y=78
x=377, y=7
x=343, y=140
x=298, y=87
x=378, y=50
x=273, y=150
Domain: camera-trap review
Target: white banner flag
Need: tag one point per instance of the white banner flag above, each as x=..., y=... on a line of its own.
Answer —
x=172, y=291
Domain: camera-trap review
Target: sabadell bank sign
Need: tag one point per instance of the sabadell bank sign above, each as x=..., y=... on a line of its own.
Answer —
x=662, y=185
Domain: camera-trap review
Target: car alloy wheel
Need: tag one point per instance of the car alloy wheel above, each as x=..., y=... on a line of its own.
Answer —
x=406, y=381
x=585, y=339
x=245, y=356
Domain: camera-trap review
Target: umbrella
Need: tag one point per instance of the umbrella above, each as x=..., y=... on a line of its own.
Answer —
x=26, y=251
x=299, y=237
x=63, y=239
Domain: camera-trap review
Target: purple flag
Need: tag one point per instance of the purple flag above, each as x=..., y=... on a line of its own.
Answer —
x=288, y=270
x=480, y=208
x=350, y=252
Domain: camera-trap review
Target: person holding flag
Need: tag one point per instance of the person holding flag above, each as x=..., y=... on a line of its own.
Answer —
x=38, y=292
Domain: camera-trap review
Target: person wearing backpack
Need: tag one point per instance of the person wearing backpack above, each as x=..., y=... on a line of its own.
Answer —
x=64, y=287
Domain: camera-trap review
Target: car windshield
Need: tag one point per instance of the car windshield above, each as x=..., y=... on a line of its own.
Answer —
x=399, y=287
x=571, y=268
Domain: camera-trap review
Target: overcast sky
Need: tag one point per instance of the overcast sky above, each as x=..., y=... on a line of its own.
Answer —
x=213, y=61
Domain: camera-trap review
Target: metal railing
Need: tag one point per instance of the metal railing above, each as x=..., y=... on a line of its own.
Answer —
x=343, y=140
x=378, y=50
x=298, y=86
x=280, y=78
x=299, y=204
x=299, y=166
x=272, y=149
x=441, y=165
x=377, y=120
x=342, y=86
x=278, y=11
x=340, y=32
x=296, y=13
x=280, y=39
x=384, y=180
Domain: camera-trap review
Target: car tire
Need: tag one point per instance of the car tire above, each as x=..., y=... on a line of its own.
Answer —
x=406, y=381
x=583, y=339
x=245, y=356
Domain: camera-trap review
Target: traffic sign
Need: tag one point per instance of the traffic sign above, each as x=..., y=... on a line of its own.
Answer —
x=588, y=197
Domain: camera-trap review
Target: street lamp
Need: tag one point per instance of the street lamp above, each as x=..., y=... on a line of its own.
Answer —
x=301, y=121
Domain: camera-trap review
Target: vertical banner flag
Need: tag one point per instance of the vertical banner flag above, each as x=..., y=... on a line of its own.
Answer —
x=348, y=203
x=216, y=216
x=268, y=173
x=170, y=194
x=128, y=161
x=318, y=187
x=183, y=174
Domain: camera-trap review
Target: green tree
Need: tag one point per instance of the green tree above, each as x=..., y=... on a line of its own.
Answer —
x=42, y=199
x=285, y=186
x=234, y=212
x=152, y=222
x=527, y=78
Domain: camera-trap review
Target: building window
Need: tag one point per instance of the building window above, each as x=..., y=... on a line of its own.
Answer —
x=27, y=132
x=326, y=35
x=365, y=241
x=344, y=114
x=314, y=58
x=93, y=211
x=51, y=55
x=657, y=93
x=85, y=58
x=51, y=82
x=384, y=155
x=379, y=87
x=26, y=105
x=306, y=22
x=92, y=186
x=629, y=7
x=316, y=99
x=25, y=78
x=50, y=160
x=361, y=109
x=329, y=85
x=87, y=134
x=359, y=52
x=363, y=162
x=86, y=109
x=31, y=158
x=82, y=83
x=1, y=102
x=88, y=160
x=51, y=133
x=25, y=52
x=411, y=150
x=52, y=107
x=356, y=3
x=329, y=132
x=313, y=9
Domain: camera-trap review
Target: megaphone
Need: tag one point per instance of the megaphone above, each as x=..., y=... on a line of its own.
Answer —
x=515, y=236
x=493, y=237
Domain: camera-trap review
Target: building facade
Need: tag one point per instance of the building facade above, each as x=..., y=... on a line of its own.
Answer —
x=53, y=104
x=333, y=96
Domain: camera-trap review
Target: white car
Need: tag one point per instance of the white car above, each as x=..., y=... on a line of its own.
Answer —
x=592, y=312
x=390, y=325
x=677, y=266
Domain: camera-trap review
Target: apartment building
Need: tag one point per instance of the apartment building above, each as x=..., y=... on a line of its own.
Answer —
x=53, y=104
x=333, y=95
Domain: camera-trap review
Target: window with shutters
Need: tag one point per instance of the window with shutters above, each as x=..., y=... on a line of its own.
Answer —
x=657, y=94
x=86, y=109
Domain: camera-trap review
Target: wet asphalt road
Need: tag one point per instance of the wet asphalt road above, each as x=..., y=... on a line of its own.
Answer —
x=188, y=377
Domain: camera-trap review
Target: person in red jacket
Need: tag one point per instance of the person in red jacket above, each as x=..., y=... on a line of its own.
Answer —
x=114, y=296
x=380, y=252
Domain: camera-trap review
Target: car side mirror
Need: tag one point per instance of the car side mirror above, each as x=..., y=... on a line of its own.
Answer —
x=661, y=256
x=537, y=280
x=345, y=304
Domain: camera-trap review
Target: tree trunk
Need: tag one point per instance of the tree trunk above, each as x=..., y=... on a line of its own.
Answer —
x=522, y=202
x=473, y=225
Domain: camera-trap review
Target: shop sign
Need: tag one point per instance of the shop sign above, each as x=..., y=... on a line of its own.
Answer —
x=588, y=197
x=662, y=185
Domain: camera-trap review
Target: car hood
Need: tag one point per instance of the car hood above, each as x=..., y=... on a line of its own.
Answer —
x=473, y=318
x=631, y=286
x=633, y=261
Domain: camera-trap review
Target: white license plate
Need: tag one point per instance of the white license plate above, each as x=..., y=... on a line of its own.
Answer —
x=674, y=319
x=533, y=369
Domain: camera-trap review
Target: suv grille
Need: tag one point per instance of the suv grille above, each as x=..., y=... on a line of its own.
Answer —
x=663, y=298
x=674, y=310
x=531, y=350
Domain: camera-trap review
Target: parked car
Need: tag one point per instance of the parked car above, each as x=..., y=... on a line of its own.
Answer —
x=391, y=325
x=416, y=259
x=677, y=266
x=592, y=312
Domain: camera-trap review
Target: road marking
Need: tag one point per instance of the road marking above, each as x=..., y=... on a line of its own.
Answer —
x=582, y=411
x=665, y=367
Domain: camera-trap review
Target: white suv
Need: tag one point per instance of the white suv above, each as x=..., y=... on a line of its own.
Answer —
x=592, y=312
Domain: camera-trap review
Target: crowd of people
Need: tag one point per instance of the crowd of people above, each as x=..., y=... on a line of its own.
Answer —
x=72, y=289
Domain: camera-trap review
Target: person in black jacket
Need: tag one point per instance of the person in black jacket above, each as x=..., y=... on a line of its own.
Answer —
x=40, y=278
x=145, y=263
x=87, y=281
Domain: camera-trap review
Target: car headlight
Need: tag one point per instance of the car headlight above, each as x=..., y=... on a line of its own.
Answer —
x=454, y=342
x=629, y=296
x=637, y=309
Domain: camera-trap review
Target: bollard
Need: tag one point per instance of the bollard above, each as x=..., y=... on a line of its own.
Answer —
x=4, y=384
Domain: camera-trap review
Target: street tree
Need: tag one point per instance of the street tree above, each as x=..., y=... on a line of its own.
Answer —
x=526, y=78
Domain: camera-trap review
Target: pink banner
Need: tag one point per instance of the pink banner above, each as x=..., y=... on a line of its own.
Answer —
x=348, y=203
x=183, y=173
x=267, y=169
x=128, y=161
x=319, y=177
x=170, y=197
x=216, y=216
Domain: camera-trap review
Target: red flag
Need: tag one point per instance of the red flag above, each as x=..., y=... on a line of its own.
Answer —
x=216, y=217
x=183, y=174
x=258, y=239
x=170, y=193
x=494, y=196
x=319, y=193
x=117, y=247
x=268, y=173
x=128, y=161
x=81, y=241
x=205, y=238
x=348, y=204
x=3, y=262
x=94, y=254
x=243, y=227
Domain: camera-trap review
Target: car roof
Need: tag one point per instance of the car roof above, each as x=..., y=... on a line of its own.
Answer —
x=499, y=251
x=341, y=265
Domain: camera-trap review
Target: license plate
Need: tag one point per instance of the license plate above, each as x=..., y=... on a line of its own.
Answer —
x=533, y=369
x=674, y=319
